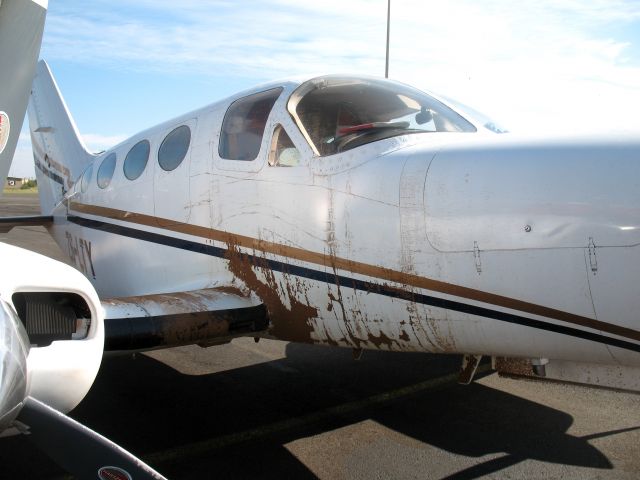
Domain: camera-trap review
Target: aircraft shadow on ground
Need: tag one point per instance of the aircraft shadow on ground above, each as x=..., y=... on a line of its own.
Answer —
x=147, y=407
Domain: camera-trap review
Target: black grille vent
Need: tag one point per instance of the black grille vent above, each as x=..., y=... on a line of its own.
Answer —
x=45, y=319
x=49, y=316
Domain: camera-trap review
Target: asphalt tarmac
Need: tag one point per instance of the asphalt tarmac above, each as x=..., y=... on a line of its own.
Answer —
x=280, y=410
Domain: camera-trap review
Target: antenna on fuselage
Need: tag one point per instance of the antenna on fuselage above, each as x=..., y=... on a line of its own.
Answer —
x=386, y=66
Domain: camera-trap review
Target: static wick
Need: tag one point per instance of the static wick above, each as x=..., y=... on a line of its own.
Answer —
x=386, y=67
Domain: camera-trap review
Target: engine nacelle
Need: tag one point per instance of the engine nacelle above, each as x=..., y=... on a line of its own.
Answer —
x=64, y=322
x=14, y=348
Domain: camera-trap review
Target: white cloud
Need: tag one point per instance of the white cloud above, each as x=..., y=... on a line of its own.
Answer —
x=258, y=39
x=22, y=165
x=539, y=65
x=96, y=142
x=544, y=66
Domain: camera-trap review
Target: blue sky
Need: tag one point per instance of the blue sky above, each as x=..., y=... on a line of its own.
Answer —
x=536, y=66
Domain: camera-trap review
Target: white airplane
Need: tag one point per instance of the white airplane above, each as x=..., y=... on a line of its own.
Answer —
x=346, y=211
x=51, y=319
x=354, y=212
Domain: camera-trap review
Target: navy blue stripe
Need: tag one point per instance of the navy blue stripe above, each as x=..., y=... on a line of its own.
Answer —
x=53, y=176
x=354, y=283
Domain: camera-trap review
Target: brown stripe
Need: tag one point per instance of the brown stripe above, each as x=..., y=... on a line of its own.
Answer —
x=58, y=166
x=338, y=263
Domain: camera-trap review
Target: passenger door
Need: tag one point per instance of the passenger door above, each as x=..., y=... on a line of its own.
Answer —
x=171, y=190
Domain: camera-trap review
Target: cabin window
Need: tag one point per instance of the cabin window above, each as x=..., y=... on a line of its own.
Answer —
x=283, y=152
x=105, y=172
x=136, y=160
x=174, y=148
x=336, y=114
x=86, y=178
x=243, y=125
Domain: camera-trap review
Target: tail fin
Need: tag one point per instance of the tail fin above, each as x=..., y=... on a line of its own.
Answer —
x=59, y=153
x=21, y=25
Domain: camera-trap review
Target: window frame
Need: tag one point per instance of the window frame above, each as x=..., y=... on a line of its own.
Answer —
x=267, y=125
x=276, y=131
x=186, y=152
x=322, y=82
x=144, y=168
x=111, y=155
x=85, y=179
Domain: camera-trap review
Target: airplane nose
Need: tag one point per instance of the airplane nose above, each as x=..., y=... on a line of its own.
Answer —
x=14, y=347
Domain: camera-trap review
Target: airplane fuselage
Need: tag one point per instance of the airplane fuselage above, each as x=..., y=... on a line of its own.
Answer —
x=436, y=242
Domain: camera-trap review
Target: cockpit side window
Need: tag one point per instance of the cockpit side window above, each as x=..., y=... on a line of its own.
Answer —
x=336, y=114
x=283, y=152
x=243, y=125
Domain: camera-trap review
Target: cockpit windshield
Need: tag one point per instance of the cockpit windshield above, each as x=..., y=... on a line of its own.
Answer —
x=337, y=113
x=483, y=119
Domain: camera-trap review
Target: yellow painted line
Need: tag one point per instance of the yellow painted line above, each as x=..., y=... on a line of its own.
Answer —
x=201, y=448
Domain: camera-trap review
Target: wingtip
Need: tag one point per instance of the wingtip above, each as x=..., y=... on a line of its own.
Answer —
x=43, y=3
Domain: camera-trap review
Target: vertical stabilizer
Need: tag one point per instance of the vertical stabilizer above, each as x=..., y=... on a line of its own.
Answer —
x=58, y=151
x=21, y=26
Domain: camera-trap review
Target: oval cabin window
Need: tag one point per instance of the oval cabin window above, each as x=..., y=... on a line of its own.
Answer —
x=136, y=160
x=105, y=172
x=86, y=178
x=174, y=148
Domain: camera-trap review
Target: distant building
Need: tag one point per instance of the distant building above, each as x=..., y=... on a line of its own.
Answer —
x=15, y=183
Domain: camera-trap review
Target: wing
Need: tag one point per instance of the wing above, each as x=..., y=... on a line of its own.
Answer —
x=205, y=317
x=7, y=223
x=79, y=449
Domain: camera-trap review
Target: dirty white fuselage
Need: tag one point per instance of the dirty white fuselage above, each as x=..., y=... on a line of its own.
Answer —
x=435, y=242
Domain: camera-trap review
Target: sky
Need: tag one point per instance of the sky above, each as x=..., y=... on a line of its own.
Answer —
x=543, y=66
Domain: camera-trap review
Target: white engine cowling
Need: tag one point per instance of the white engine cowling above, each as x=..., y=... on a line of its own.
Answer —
x=14, y=348
x=60, y=312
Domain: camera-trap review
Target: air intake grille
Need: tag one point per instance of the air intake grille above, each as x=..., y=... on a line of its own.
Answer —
x=48, y=317
x=45, y=319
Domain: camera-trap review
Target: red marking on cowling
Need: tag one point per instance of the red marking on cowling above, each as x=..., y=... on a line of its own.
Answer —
x=113, y=473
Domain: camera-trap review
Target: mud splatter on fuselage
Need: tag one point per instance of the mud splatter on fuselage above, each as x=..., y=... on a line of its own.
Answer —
x=293, y=323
